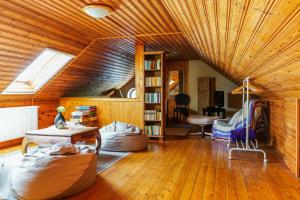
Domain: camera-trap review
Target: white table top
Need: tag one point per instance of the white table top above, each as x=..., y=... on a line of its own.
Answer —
x=201, y=120
x=53, y=131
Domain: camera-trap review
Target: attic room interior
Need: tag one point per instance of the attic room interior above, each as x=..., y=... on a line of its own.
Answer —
x=152, y=99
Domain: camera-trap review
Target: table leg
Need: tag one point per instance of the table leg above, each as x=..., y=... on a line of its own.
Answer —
x=203, y=134
x=98, y=143
x=24, y=145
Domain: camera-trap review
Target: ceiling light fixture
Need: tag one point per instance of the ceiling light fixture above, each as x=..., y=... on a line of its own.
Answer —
x=97, y=11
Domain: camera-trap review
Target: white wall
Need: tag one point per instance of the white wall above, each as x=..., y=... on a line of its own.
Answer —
x=199, y=69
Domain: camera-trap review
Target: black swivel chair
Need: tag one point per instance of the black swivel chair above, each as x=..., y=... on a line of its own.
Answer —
x=182, y=107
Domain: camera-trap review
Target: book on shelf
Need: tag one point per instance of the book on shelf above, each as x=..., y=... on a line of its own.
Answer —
x=154, y=130
x=84, y=115
x=153, y=97
x=152, y=115
x=152, y=81
x=152, y=64
x=88, y=108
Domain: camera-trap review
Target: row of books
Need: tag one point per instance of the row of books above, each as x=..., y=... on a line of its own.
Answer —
x=85, y=115
x=154, y=115
x=85, y=108
x=153, y=97
x=152, y=64
x=84, y=120
x=153, y=81
x=153, y=130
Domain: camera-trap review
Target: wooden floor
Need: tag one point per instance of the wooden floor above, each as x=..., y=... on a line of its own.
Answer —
x=194, y=168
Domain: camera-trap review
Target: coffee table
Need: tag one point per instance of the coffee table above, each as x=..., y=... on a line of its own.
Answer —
x=202, y=121
x=52, y=135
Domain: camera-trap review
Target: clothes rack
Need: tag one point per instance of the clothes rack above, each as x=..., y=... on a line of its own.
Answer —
x=248, y=146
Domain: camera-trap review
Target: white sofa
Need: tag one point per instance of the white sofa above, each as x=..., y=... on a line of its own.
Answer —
x=119, y=136
x=44, y=175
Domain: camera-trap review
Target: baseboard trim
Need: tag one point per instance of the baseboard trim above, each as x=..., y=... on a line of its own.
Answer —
x=10, y=143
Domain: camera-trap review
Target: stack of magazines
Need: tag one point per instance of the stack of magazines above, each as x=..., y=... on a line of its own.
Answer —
x=85, y=115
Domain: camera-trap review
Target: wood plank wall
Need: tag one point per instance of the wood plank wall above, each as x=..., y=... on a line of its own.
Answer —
x=291, y=134
x=284, y=127
x=112, y=109
x=109, y=109
x=277, y=124
x=46, y=112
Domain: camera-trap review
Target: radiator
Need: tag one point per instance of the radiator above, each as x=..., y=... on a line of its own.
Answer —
x=15, y=121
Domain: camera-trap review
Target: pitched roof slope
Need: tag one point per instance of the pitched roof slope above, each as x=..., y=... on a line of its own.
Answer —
x=238, y=38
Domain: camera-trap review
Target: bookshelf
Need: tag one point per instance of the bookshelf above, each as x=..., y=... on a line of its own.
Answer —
x=154, y=113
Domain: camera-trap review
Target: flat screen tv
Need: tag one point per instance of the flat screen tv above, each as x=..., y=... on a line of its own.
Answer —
x=219, y=98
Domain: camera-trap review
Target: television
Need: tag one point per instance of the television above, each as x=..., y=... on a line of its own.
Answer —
x=219, y=98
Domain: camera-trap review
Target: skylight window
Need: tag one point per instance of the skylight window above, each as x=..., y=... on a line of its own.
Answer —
x=39, y=72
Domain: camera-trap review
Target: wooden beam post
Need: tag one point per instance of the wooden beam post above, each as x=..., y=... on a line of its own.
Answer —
x=139, y=71
x=298, y=138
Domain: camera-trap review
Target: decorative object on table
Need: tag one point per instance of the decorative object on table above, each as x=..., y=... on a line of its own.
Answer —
x=75, y=125
x=85, y=115
x=59, y=120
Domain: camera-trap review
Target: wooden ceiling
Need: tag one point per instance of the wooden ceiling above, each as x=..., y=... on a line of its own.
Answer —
x=239, y=38
x=257, y=38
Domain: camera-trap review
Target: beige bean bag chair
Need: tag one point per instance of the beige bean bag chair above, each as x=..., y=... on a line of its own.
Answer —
x=119, y=136
x=1, y=164
x=56, y=172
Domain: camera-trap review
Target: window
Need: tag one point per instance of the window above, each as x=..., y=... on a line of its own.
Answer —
x=131, y=93
x=39, y=72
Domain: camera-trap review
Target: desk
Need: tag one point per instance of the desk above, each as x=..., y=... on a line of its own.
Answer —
x=52, y=135
x=209, y=110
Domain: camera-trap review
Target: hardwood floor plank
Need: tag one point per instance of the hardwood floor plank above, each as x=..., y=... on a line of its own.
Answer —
x=192, y=168
x=157, y=191
x=188, y=185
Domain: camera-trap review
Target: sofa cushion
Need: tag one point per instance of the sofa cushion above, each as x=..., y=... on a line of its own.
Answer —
x=109, y=128
x=124, y=128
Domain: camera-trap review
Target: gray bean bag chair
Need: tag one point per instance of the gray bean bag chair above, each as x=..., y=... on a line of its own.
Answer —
x=119, y=136
x=54, y=173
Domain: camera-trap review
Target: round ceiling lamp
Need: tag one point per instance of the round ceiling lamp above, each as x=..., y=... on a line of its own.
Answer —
x=97, y=11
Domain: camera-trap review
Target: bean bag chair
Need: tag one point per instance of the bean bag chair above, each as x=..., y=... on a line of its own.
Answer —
x=119, y=136
x=54, y=173
x=1, y=164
